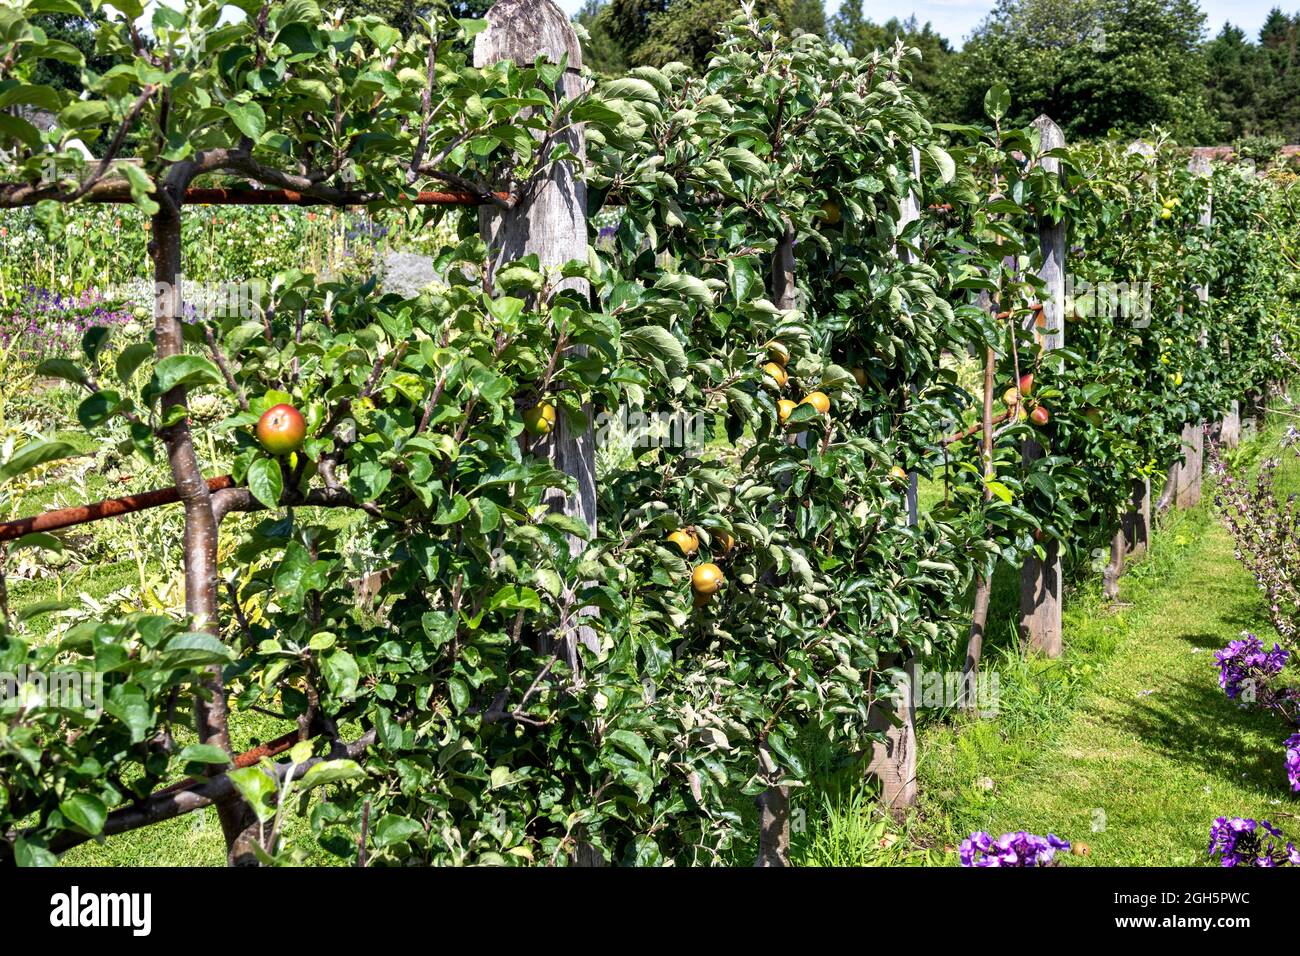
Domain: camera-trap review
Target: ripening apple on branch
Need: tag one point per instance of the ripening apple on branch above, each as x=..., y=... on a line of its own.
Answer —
x=281, y=429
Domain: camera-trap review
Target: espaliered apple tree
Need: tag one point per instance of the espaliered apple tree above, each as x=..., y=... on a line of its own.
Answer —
x=409, y=413
x=1133, y=310
x=790, y=160
x=1000, y=268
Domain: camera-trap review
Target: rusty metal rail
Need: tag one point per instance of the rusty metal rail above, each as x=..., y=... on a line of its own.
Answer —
x=109, y=508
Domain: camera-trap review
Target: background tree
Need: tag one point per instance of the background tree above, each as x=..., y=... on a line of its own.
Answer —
x=655, y=32
x=600, y=49
x=1235, y=73
x=1100, y=65
x=1279, y=91
x=851, y=27
x=808, y=16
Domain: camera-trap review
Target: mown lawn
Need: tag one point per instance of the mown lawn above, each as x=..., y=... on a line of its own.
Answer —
x=1128, y=743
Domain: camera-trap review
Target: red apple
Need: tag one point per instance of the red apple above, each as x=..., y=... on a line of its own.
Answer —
x=1027, y=384
x=1039, y=416
x=281, y=429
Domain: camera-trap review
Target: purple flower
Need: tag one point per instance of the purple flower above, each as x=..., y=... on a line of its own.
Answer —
x=1245, y=665
x=1010, y=849
x=1241, y=841
x=1293, y=762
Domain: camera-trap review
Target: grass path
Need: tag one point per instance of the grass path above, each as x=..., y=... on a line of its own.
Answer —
x=1127, y=744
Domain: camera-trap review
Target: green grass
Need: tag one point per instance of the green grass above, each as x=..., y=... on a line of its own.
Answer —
x=1127, y=742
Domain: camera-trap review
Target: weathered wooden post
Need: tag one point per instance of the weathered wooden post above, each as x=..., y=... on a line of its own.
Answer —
x=893, y=761
x=551, y=222
x=1040, y=579
x=1230, y=427
x=1187, y=490
x=1136, y=523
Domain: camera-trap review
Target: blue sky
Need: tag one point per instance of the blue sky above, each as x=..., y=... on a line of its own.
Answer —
x=955, y=19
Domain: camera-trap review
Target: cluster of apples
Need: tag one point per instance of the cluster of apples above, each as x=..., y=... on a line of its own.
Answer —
x=1167, y=207
x=707, y=578
x=1014, y=398
x=775, y=376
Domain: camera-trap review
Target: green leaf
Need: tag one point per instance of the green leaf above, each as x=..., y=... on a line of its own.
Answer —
x=12, y=127
x=98, y=408
x=38, y=539
x=341, y=673
x=65, y=369
x=746, y=161
x=331, y=771
x=266, y=481
x=657, y=342
x=27, y=853
x=177, y=370
x=297, y=575
x=249, y=118
x=195, y=649
x=203, y=753
x=632, y=744
x=257, y=787
x=93, y=340
x=129, y=359
x=514, y=597
x=141, y=188
x=60, y=6
x=942, y=161
x=997, y=101
x=688, y=286
x=999, y=489
x=630, y=88
x=85, y=812
x=453, y=511
x=33, y=455
x=393, y=829
x=127, y=702
x=83, y=113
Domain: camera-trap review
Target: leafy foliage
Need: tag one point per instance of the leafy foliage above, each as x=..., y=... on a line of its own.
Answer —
x=449, y=704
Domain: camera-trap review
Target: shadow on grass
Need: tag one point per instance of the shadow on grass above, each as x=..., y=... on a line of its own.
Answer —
x=1193, y=722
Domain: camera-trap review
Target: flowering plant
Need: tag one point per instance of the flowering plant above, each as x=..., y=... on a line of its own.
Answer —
x=1241, y=841
x=1246, y=669
x=47, y=323
x=1011, y=849
x=1248, y=673
x=1266, y=537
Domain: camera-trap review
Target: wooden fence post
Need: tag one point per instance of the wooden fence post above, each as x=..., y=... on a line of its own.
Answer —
x=551, y=222
x=1040, y=579
x=1230, y=427
x=1137, y=522
x=1187, y=491
x=893, y=760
